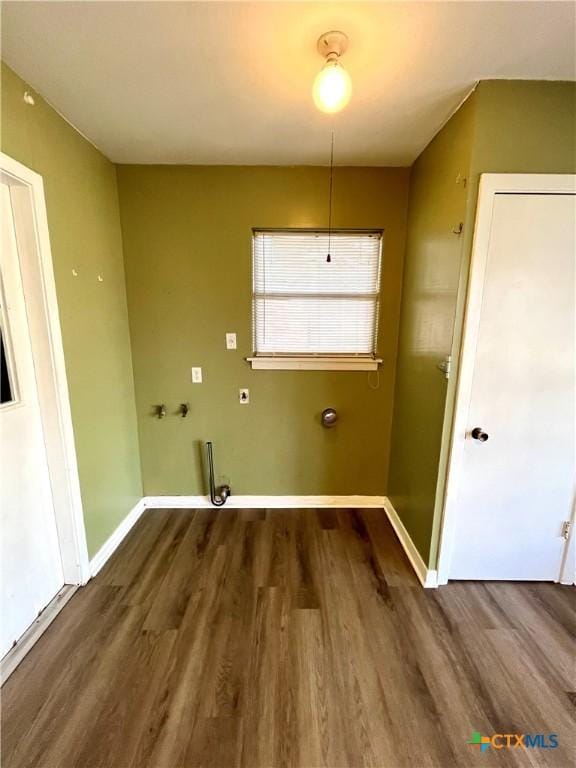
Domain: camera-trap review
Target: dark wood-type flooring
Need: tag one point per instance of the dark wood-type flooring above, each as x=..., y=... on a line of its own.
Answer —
x=289, y=638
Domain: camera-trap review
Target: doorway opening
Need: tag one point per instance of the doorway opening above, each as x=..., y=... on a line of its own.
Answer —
x=509, y=505
x=44, y=540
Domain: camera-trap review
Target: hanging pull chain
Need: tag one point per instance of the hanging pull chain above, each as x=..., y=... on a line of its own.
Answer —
x=329, y=258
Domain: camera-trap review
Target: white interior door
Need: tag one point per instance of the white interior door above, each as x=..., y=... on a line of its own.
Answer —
x=31, y=567
x=514, y=491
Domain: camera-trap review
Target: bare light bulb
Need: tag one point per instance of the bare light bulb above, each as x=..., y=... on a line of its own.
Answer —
x=332, y=87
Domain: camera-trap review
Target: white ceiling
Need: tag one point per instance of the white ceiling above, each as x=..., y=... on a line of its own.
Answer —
x=230, y=82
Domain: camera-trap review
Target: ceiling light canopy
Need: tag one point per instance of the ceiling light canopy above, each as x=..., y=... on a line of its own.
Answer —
x=332, y=86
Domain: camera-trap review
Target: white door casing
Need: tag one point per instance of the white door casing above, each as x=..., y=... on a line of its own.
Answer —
x=30, y=555
x=33, y=245
x=507, y=498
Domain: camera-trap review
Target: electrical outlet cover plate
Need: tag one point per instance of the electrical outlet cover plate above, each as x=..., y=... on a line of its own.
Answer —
x=230, y=341
x=196, y=375
x=244, y=396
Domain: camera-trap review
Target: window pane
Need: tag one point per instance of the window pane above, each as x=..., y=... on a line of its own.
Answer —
x=6, y=395
x=296, y=263
x=304, y=304
x=313, y=325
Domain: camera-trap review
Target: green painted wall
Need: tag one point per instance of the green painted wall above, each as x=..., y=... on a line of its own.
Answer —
x=187, y=245
x=438, y=199
x=525, y=127
x=507, y=126
x=85, y=235
x=186, y=242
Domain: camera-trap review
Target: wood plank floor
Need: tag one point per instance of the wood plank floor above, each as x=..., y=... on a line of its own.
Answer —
x=289, y=638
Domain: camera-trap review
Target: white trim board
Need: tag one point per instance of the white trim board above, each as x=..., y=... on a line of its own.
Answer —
x=428, y=578
x=116, y=538
x=234, y=502
x=31, y=224
x=266, y=502
x=25, y=644
x=34, y=632
x=311, y=363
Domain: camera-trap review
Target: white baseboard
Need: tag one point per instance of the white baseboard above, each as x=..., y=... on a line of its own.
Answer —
x=428, y=578
x=117, y=537
x=265, y=502
x=15, y=655
x=35, y=631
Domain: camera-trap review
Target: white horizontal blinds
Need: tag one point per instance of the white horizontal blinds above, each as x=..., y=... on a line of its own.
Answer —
x=305, y=305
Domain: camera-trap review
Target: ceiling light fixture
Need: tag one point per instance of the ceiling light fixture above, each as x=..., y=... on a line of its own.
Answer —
x=332, y=87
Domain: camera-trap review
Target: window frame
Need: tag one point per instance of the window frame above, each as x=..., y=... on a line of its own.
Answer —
x=9, y=357
x=317, y=361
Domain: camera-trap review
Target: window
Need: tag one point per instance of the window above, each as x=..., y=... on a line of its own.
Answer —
x=310, y=313
x=6, y=395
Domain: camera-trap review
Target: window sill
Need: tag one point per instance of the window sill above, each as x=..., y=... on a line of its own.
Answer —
x=277, y=363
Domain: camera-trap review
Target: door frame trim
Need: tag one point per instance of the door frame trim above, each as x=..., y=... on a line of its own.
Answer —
x=26, y=642
x=35, y=256
x=491, y=184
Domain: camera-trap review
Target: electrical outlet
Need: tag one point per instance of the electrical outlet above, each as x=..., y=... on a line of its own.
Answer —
x=244, y=396
x=230, y=341
x=196, y=375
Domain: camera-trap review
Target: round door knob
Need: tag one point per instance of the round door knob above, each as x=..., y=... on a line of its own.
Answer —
x=479, y=434
x=329, y=417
